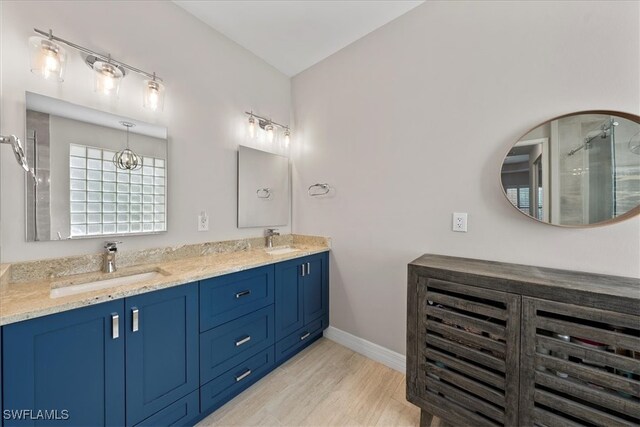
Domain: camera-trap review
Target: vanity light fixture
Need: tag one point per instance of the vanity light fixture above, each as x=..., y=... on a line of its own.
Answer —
x=269, y=127
x=48, y=59
x=127, y=159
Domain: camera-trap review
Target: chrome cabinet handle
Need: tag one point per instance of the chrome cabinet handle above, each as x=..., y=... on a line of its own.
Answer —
x=243, y=294
x=243, y=340
x=305, y=336
x=244, y=375
x=135, y=319
x=303, y=270
x=115, y=326
x=308, y=268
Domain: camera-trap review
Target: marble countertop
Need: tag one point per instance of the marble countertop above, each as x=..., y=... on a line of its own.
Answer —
x=26, y=300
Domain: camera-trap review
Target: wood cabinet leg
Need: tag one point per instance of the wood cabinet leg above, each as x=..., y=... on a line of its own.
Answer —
x=425, y=418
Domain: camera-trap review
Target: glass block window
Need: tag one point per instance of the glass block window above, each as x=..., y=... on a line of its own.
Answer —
x=106, y=200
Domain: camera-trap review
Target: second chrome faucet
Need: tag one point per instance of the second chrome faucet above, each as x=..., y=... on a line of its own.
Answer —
x=269, y=233
x=111, y=249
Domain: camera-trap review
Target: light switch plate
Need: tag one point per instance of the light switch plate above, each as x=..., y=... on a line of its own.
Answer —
x=459, y=222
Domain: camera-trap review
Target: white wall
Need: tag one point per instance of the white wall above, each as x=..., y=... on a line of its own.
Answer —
x=411, y=123
x=210, y=82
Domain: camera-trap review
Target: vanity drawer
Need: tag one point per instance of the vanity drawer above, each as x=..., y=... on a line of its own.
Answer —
x=179, y=413
x=231, y=296
x=218, y=391
x=224, y=347
x=293, y=343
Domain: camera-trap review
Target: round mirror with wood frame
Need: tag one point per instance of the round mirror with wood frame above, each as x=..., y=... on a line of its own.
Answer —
x=577, y=170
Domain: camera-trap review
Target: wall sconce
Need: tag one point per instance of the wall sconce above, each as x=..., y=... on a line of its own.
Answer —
x=252, y=126
x=269, y=127
x=48, y=59
x=107, y=76
x=153, y=96
x=287, y=136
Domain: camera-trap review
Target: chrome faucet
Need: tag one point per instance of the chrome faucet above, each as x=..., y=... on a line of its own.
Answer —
x=109, y=265
x=269, y=234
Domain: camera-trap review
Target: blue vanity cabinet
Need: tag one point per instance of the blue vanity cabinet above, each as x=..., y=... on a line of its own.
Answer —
x=71, y=361
x=302, y=303
x=161, y=351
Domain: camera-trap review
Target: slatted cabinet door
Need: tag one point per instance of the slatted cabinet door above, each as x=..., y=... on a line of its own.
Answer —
x=578, y=366
x=468, y=353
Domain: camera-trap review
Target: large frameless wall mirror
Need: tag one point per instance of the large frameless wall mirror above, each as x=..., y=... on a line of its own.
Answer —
x=263, y=188
x=577, y=170
x=96, y=174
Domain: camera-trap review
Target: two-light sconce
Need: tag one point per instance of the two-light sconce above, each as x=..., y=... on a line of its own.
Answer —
x=48, y=60
x=269, y=126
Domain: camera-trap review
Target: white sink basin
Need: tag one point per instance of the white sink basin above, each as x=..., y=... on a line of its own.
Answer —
x=281, y=251
x=64, y=291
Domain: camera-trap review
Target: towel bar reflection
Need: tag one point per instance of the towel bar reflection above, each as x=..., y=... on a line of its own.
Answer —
x=318, y=190
x=263, y=193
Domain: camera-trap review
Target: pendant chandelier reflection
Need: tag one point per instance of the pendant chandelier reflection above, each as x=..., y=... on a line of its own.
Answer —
x=127, y=159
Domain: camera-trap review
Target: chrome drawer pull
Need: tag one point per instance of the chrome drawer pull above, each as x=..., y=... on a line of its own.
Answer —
x=115, y=326
x=305, y=336
x=243, y=340
x=303, y=270
x=135, y=319
x=244, y=375
x=243, y=293
x=308, y=268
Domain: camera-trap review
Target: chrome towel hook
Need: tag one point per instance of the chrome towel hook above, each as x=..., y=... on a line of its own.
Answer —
x=318, y=189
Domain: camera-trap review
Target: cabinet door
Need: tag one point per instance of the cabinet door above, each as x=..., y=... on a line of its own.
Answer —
x=72, y=361
x=289, y=298
x=469, y=343
x=316, y=287
x=162, y=349
x=578, y=366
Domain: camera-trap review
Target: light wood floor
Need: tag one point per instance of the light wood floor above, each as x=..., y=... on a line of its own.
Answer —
x=325, y=385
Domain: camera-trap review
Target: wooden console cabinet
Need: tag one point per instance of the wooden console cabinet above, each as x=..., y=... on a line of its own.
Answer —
x=496, y=344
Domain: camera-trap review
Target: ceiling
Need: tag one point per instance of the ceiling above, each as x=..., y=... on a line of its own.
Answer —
x=293, y=35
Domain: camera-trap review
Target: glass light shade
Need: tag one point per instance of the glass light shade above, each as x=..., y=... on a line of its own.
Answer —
x=48, y=59
x=287, y=137
x=153, y=96
x=107, y=78
x=270, y=132
x=252, y=127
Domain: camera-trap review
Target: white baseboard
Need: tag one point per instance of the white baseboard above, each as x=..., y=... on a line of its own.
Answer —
x=367, y=348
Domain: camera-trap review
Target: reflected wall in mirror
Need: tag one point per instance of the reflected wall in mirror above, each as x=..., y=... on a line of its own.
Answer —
x=263, y=188
x=79, y=191
x=577, y=170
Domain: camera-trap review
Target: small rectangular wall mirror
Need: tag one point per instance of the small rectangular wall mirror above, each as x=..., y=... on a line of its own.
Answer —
x=263, y=188
x=80, y=189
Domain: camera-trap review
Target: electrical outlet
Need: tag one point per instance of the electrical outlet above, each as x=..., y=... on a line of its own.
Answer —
x=459, y=222
x=203, y=221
